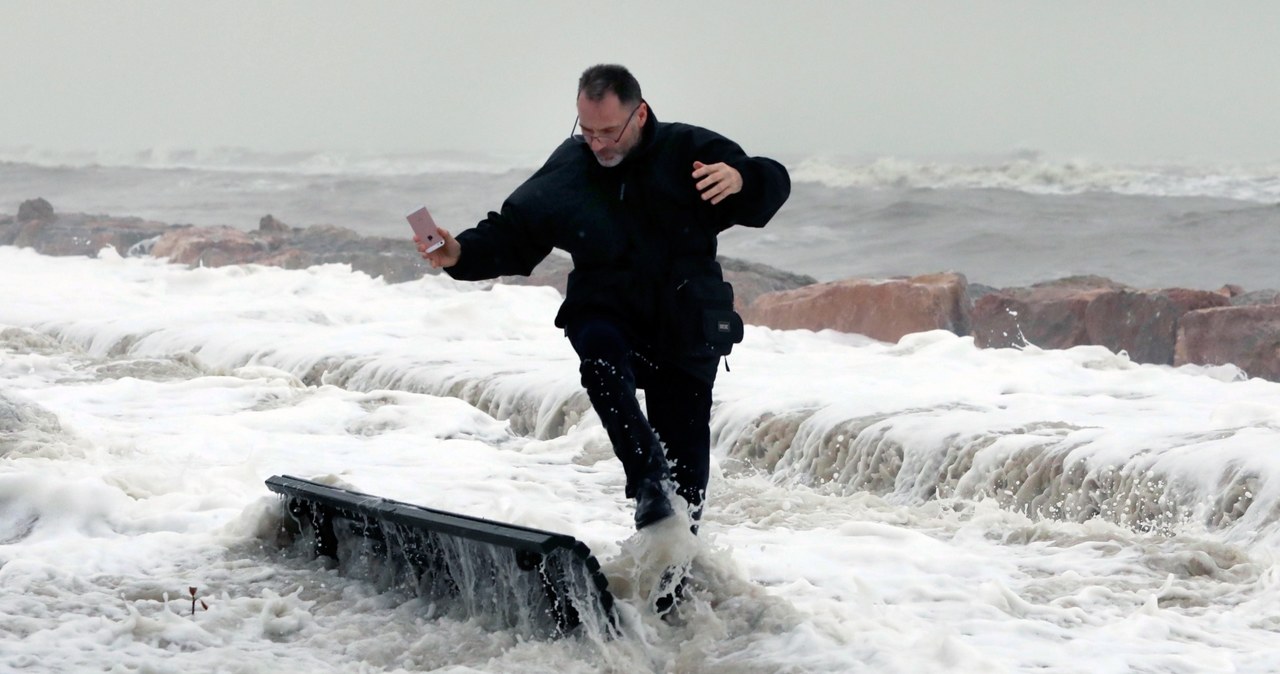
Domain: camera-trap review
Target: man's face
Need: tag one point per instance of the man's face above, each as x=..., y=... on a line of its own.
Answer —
x=608, y=119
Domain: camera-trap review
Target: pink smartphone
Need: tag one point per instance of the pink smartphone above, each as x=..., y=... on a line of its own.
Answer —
x=425, y=227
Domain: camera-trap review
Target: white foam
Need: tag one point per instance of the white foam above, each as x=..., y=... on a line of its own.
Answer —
x=921, y=506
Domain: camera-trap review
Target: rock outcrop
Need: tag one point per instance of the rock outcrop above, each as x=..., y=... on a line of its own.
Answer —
x=1245, y=336
x=1255, y=297
x=1089, y=310
x=1050, y=315
x=1144, y=323
x=40, y=228
x=275, y=243
x=880, y=309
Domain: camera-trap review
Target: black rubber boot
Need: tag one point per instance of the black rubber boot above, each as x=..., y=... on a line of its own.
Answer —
x=652, y=502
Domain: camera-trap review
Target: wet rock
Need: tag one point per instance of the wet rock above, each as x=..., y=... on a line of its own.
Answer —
x=38, y=228
x=978, y=291
x=1143, y=323
x=1089, y=310
x=880, y=309
x=1269, y=296
x=751, y=280
x=209, y=246
x=36, y=209
x=1245, y=336
x=394, y=260
x=270, y=224
x=1050, y=315
x=390, y=259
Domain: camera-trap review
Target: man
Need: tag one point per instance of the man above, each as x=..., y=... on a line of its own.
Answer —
x=637, y=204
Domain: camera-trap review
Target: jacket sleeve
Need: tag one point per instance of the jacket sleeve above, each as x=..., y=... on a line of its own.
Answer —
x=765, y=182
x=503, y=244
x=508, y=242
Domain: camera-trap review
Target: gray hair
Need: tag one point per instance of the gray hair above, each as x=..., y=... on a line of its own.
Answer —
x=599, y=80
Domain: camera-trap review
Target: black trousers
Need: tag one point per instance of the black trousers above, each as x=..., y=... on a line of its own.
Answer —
x=678, y=405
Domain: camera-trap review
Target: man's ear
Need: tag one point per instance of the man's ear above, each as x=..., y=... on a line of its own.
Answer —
x=643, y=115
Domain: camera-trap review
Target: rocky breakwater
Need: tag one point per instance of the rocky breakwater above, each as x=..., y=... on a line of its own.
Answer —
x=1169, y=326
x=275, y=243
x=37, y=226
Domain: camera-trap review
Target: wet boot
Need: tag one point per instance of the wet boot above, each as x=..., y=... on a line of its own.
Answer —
x=652, y=502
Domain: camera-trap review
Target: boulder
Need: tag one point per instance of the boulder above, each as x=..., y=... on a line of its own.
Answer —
x=394, y=260
x=751, y=280
x=1245, y=336
x=1268, y=296
x=881, y=309
x=209, y=246
x=1089, y=310
x=1050, y=315
x=36, y=209
x=270, y=224
x=39, y=228
x=277, y=244
x=1143, y=323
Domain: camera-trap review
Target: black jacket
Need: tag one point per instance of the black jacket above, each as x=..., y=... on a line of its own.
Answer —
x=640, y=235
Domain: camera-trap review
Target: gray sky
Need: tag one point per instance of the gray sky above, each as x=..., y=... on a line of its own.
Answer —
x=1119, y=81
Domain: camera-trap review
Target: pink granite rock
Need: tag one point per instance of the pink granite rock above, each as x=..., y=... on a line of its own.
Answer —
x=1049, y=315
x=209, y=246
x=1143, y=323
x=880, y=309
x=1245, y=336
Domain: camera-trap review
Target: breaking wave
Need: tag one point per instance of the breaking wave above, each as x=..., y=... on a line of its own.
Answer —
x=1026, y=171
x=1036, y=175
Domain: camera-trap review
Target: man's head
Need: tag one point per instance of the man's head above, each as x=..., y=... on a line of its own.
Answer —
x=611, y=112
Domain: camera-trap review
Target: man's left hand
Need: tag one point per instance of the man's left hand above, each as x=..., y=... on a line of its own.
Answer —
x=716, y=181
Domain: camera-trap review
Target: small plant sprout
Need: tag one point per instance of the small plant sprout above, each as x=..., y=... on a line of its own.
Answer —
x=203, y=605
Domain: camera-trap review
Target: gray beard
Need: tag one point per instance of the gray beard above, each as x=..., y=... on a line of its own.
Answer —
x=617, y=159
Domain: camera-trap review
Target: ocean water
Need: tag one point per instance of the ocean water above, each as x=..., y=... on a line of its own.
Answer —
x=1001, y=221
x=924, y=506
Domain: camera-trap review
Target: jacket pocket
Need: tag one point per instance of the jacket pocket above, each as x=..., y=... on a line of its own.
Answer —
x=705, y=323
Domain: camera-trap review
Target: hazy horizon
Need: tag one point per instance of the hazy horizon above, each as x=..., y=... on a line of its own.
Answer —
x=1097, y=80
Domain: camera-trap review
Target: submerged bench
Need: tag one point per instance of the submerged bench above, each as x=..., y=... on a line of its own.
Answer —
x=538, y=582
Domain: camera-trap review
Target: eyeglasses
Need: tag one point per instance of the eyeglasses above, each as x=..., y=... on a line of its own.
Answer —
x=588, y=137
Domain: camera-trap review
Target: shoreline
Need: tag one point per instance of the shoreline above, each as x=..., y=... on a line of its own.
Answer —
x=1171, y=326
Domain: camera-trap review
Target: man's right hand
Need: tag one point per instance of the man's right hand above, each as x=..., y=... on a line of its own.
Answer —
x=444, y=256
